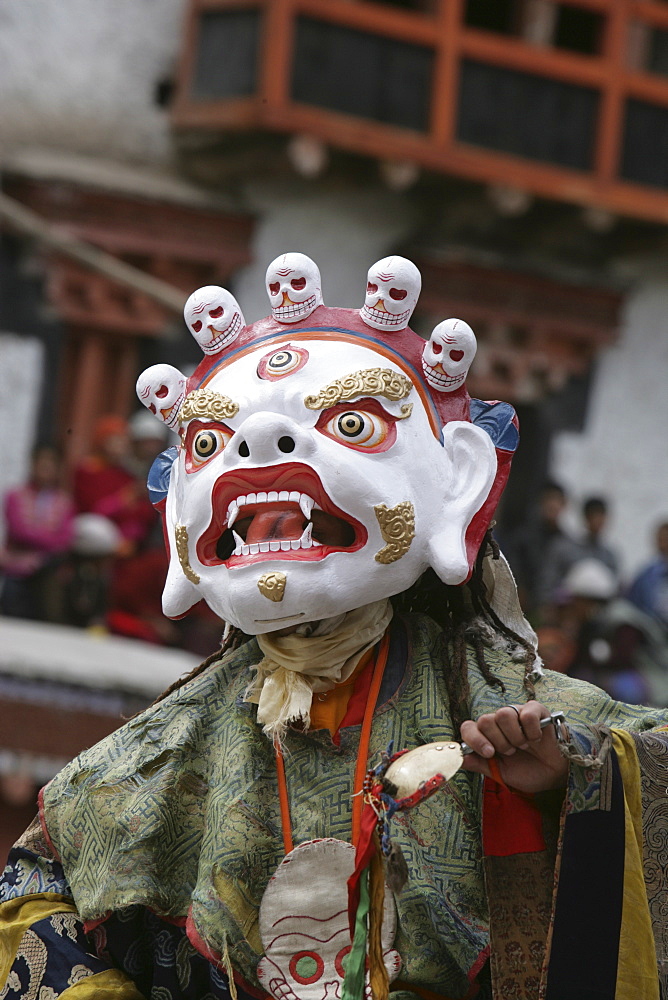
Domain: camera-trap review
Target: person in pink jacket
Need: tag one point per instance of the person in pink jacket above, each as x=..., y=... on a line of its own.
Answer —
x=38, y=529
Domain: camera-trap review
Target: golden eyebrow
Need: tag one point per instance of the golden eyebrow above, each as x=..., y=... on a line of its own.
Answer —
x=205, y=403
x=368, y=382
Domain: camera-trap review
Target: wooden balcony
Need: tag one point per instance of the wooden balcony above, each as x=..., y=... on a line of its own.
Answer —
x=566, y=99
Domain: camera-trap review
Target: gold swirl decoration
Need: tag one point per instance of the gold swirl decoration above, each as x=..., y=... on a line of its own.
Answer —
x=181, y=536
x=205, y=403
x=272, y=586
x=368, y=382
x=397, y=526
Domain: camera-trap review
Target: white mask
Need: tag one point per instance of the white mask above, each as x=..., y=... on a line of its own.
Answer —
x=300, y=496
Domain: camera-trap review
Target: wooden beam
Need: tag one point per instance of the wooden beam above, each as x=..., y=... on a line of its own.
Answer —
x=655, y=14
x=474, y=163
x=515, y=54
x=420, y=29
x=85, y=404
x=277, y=42
x=611, y=111
x=446, y=72
x=646, y=87
x=216, y=115
x=26, y=222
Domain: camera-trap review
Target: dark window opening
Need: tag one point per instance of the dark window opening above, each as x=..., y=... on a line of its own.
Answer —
x=645, y=146
x=227, y=54
x=492, y=15
x=578, y=30
x=658, y=52
x=527, y=115
x=362, y=74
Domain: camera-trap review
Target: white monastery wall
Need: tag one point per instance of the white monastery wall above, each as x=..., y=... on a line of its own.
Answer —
x=81, y=76
x=623, y=452
x=21, y=373
x=343, y=231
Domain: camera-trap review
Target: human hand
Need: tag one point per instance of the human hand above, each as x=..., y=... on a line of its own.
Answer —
x=527, y=756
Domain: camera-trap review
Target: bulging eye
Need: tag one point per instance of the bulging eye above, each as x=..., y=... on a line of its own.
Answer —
x=205, y=444
x=282, y=362
x=216, y=313
x=371, y=288
x=359, y=428
x=298, y=284
x=398, y=294
x=274, y=288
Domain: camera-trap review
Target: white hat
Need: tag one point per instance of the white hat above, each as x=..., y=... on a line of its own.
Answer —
x=145, y=426
x=591, y=578
x=95, y=535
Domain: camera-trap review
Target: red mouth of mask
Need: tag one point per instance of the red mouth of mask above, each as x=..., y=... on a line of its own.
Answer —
x=280, y=512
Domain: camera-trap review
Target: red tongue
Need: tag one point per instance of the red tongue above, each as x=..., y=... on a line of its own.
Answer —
x=275, y=524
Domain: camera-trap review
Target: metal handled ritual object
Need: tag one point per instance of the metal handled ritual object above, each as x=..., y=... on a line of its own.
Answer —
x=412, y=769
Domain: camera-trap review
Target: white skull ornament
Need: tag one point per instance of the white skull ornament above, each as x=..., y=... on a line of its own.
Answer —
x=304, y=924
x=449, y=354
x=393, y=287
x=162, y=389
x=214, y=318
x=294, y=287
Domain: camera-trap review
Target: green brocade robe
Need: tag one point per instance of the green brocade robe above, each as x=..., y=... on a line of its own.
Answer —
x=178, y=811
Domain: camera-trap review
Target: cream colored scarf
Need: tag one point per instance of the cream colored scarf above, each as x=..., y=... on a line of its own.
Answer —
x=297, y=666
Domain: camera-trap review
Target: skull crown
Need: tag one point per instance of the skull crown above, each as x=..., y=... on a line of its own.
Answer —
x=162, y=390
x=294, y=287
x=392, y=290
x=214, y=318
x=448, y=355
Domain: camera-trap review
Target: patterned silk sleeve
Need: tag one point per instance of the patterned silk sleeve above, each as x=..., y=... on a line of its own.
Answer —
x=44, y=952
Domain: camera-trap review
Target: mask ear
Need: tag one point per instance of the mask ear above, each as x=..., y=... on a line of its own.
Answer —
x=471, y=463
x=180, y=593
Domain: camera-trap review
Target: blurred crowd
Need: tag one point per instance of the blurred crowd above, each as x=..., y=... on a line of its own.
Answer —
x=592, y=623
x=86, y=549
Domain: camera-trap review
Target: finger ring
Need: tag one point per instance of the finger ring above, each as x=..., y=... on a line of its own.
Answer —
x=519, y=719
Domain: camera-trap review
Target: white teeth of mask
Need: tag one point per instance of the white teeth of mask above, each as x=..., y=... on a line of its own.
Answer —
x=306, y=505
x=284, y=545
x=305, y=540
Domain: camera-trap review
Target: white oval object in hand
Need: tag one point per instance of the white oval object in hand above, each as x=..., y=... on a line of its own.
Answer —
x=412, y=769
